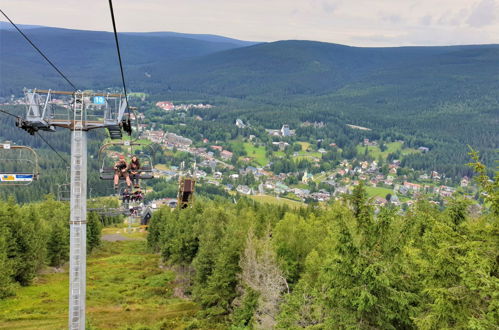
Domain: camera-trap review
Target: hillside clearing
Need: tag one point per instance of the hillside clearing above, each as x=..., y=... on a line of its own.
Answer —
x=256, y=153
x=277, y=200
x=125, y=287
x=391, y=147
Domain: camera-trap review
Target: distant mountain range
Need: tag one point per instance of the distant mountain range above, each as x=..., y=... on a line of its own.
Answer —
x=202, y=37
x=159, y=61
x=296, y=67
x=8, y=26
x=89, y=57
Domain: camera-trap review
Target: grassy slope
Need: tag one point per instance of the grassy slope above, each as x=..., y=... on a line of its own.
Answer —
x=378, y=191
x=304, y=154
x=256, y=153
x=124, y=287
x=278, y=201
x=304, y=145
x=375, y=152
x=382, y=192
x=162, y=167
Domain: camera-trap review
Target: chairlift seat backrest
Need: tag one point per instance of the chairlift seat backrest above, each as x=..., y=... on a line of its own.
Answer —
x=16, y=167
x=188, y=185
x=110, y=176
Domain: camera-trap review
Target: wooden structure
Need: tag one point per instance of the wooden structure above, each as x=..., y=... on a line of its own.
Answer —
x=185, y=197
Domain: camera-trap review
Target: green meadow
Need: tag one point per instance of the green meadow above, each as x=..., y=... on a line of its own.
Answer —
x=392, y=147
x=278, y=201
x=256, y=153
x=126, y=289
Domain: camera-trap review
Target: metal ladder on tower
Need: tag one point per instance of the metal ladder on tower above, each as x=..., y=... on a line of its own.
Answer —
x=78, y=220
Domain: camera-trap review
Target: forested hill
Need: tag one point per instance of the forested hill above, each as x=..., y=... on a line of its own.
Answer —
x=295, y=67
x=89, y=57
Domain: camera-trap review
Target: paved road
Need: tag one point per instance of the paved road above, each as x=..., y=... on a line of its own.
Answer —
x=115, y=238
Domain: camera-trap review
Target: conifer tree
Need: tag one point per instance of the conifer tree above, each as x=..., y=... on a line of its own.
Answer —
x=94, y=228
x=58, y=245
x=6, y=267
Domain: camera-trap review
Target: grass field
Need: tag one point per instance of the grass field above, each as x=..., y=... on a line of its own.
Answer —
x=378, y=191
x=277, y=201
x=125, y=290
x=126, y=137
x=301, y=186
x=139, y=95
x=256, y=153
x=304, y=154
x=161, y=167
x=308, y=155
x=321, y=177
x=279, y=154
x=304, y=145
x=382, y=192
x=135, y=234
x=375, y=152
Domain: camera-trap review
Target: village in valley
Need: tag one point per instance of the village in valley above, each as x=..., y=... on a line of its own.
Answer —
x=274, y=165
x=259, y=166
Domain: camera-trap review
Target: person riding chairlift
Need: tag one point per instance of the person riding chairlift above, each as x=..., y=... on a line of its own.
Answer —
x=121, y=171
x=134, y=168
x=126, y=196
x=137, y=196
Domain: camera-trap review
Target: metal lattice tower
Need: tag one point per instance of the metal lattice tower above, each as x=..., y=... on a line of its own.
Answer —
x=87, y=110
x=78, y=220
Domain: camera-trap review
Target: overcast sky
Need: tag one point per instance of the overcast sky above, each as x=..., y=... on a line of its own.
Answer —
x=351, y=22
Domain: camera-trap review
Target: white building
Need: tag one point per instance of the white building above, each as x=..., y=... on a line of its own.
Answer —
x=240, y=124
x=285, y=130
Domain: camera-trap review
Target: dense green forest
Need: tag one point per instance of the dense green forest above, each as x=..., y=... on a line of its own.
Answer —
x=345, y=265
x=36, y=235
x=89, y=57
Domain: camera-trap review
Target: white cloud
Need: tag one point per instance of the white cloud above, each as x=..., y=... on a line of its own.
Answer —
x=426, y=20
x=483, y=14
x=354, y=22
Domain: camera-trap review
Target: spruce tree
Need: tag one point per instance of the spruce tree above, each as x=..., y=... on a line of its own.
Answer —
x=94, y=228
x=58, y=245
x=5, y=267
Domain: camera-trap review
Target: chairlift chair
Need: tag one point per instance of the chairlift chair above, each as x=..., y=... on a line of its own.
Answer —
x=185, y=197
x=64, y=192
x=107, y=167
x=131, y=198
x=18, y=165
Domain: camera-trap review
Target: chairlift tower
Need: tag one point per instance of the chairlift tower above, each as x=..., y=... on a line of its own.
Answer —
x=79, y=111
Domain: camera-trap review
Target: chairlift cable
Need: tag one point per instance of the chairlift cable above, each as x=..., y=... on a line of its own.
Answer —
x=53, y=149
x=43, y=139
x=38, y=50
x=119, y=58
x=8, y=113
